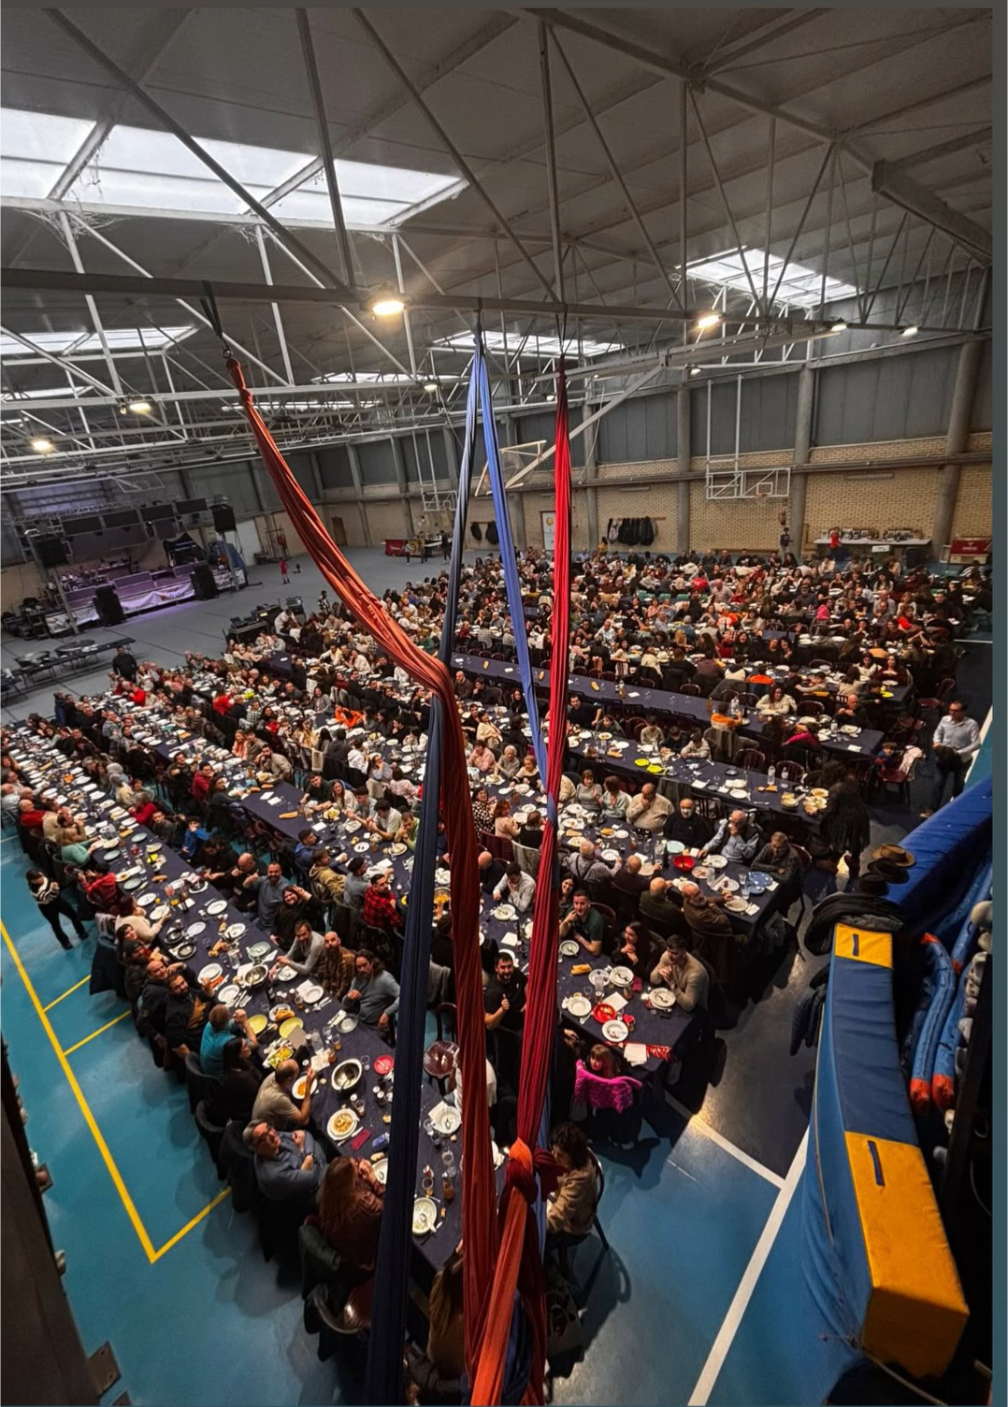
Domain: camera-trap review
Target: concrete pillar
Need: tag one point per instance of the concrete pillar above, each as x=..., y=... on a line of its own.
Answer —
x=802, y=450
x=683, y=458
x=358, y=484
x=401, y=485
x=316, y=473
x=589, y=441
x=955, y=443
x=450, y=456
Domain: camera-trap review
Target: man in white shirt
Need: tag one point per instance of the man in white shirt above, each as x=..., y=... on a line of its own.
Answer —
x=516, y=888
x=955, y=741
x=647, y=810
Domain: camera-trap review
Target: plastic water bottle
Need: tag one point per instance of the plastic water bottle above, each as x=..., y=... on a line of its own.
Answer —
x=771, y=773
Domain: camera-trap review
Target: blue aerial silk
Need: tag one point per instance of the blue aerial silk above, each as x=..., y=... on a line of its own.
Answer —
x=384, y=1380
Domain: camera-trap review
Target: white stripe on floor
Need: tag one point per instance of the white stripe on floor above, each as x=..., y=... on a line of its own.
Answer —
x=699, y=1125
x=729, y=1328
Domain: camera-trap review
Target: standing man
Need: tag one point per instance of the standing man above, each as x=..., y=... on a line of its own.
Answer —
x=955, y=741
x=124, y=664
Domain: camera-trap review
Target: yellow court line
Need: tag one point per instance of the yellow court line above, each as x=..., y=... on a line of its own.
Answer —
x=76, y=987
x=190, y=1224
x=108, y=1025
x=85, y=1109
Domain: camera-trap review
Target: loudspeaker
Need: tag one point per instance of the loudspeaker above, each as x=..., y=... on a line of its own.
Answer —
x=51, y=551
x=204, y=586
x=224, y=518
x=108, y=606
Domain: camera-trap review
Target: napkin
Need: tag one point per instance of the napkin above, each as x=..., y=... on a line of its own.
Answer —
x=616, y=1001
x=635, y=1053
x=853, y=747
x=359, y=1140
x=319, y=1062
x=771, y=885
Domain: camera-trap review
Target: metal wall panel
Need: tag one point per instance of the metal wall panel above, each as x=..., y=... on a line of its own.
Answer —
x=612, y=441
x=981, y=415
x=769, y=407
x=894, y=398
x=334, y=466
x=300, y=466
x=11, y=551
x=230, y=481
x=376, y=463
x=542, y=426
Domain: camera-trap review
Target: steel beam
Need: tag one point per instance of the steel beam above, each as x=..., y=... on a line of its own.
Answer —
x=615, y=171
x=328, y=158
x=898, y=187
x=177, y=130
x=278, y=321
x=454, y=152
x=551, y=167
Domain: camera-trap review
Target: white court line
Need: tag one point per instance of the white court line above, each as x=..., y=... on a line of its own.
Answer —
x=701, y=1126
x=729, y=1328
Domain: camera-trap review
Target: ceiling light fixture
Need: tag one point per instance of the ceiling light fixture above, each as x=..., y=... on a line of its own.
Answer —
x=139, y=407
x=910, y=331
x=694, y=371
x=387, y=304
x=706, y=320
x=41, y=445
x=840, y=326
x=431, y=387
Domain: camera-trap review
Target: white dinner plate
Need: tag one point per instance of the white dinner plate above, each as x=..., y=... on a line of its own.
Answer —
x=352, y=826
x=424, y=1216
x=662, y=999
x=162, y=911
x=448, y=1120
x=195, y=929
x=285, y=973
x=235, y=930
x=229, y=994
x=569, y=948
x=380, y=1170
x=610, y=856
x=217, y=907
x=615, y=1031
x=146, y=900
x=727, y=886
x=505, y=911
x=133, y=884
x=343, y=1125
x=621, y=977
x=362, y=847
x=208, y=973
x=579, y=1006
x=717, y=862
x=313, y=994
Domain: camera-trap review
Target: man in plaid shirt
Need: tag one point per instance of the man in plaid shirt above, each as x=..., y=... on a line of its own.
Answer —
x=379, y=906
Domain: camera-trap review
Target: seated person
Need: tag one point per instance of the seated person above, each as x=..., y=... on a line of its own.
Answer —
x=491, y=872
x=235, y=1096
x=736, y=838
x=375, y=992
x=586, y=867
x=186, y=1014
x=687, y=826
x=220, y=1030
x=684, y=975
x=571, y=1210
x=385, y=821
x=628, y=882
x=634, y=949
x=662, y=908
x=647, y=810
x=275, y=1101
x=697, y=748
x=651, y=734
x=350, y=1202
x=778, y=858
x=336, y=969
x=584, y=924
x=289, y=1166
x=380, y=909
x=446, y=1335
x=305, y=953
x=614, y=801
x=515, y=888
x=612, y=1096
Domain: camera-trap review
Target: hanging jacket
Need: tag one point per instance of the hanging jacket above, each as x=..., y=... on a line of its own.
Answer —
x=647, y=532
x=614, y=529
x=492, y=535
x=477, y=532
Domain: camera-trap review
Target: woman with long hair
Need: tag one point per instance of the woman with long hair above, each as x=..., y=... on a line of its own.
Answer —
x=504, y=823
x=446, y=1336
x=846, y=824
x=350, y=1202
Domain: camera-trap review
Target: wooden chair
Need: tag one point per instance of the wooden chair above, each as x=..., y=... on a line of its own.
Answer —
x=692, y=691
x=751, y=759
x=565, y=1241
x=792, y=772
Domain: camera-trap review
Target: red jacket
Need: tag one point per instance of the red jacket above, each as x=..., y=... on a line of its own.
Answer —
x=145, y=813
x=200, y=786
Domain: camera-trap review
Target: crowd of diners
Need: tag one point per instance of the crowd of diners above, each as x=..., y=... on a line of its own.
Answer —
x=674, y=623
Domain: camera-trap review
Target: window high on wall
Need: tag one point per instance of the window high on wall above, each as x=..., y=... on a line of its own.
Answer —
x=800, y=286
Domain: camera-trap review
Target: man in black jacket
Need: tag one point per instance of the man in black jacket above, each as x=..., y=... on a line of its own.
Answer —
x=686, y=826
x=124, y=664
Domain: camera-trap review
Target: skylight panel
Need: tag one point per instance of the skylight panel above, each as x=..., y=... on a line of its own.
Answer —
x=119, y=339
x=313, y=206
x=800, y=285
x=535, y=349
x=139, y=167
x=35, y=148
x=39, y=392
x=369, y=195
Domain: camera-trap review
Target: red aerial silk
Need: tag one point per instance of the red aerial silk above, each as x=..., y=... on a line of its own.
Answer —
x=519, y=1263
x=478, y=1224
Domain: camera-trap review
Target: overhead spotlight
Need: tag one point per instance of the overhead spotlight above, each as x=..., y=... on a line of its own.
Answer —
x=694, y=371
x=910, y=331
x=840, y=326
x=430, y=387
x=41, y=445
x=706, y=320
x=139, y=407
x=387, y=304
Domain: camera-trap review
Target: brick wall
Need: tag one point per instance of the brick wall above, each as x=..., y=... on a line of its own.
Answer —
x=736, y=524
x=972, y=516
x=904, y=499
x=388, y=520
x=880, y=449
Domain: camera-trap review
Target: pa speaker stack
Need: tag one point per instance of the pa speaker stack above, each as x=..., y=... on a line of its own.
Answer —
x=51, y=551
x=108, y=606
x=204, y=586
x=223, y=518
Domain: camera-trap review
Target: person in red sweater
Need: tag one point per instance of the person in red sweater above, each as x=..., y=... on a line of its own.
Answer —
x=101, y=891
x=202, y=783
x=145, y=809
x=222, y=703
x=379, y=906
